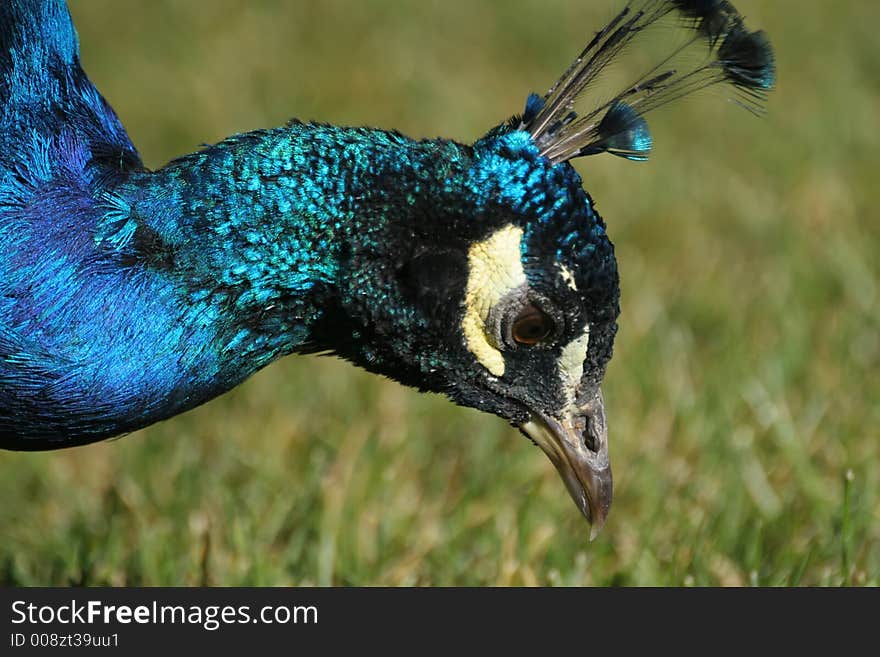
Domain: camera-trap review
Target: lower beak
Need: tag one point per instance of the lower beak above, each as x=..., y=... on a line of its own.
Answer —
x=577, y=444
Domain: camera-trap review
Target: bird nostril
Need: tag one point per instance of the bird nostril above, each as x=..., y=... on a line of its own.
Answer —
x=584, y=426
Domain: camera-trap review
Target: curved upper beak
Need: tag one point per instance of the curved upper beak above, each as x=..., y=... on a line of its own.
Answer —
x=577, y=444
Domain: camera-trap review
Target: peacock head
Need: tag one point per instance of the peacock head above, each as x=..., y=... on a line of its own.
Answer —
x=540, y=310
x=506, y=296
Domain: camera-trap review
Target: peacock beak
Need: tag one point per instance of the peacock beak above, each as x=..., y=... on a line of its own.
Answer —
x=577, y=444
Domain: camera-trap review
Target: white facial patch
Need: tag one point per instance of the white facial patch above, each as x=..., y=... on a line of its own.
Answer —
x=494, y=269
x=567, y=276
x=571, y=363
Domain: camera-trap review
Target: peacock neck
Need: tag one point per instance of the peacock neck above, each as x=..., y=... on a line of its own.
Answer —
x=261, y=227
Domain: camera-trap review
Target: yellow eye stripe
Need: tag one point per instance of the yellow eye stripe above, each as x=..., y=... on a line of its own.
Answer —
x=494, y=269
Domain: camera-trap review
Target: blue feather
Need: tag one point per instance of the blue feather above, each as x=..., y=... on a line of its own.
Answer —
x=622, y=132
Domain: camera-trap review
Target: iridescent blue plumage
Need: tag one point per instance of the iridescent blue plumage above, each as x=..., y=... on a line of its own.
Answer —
x=479, y=271
x=131, y=295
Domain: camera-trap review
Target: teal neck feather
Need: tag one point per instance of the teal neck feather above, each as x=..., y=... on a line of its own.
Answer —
x=263, y=226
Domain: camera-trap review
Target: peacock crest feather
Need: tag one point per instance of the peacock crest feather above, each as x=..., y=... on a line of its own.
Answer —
x=718, y=49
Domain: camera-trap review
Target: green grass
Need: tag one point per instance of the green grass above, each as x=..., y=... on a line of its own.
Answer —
x=743, y=399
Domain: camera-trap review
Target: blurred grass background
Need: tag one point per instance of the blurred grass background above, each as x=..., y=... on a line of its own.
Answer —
x=743, y=399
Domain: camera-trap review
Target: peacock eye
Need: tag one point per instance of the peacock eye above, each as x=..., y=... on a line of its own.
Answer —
x=531, y=326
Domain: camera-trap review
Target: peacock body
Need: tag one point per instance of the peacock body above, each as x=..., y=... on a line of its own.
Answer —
x=481, y=271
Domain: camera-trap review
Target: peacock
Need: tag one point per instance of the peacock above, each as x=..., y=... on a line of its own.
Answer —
x=479, y=271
